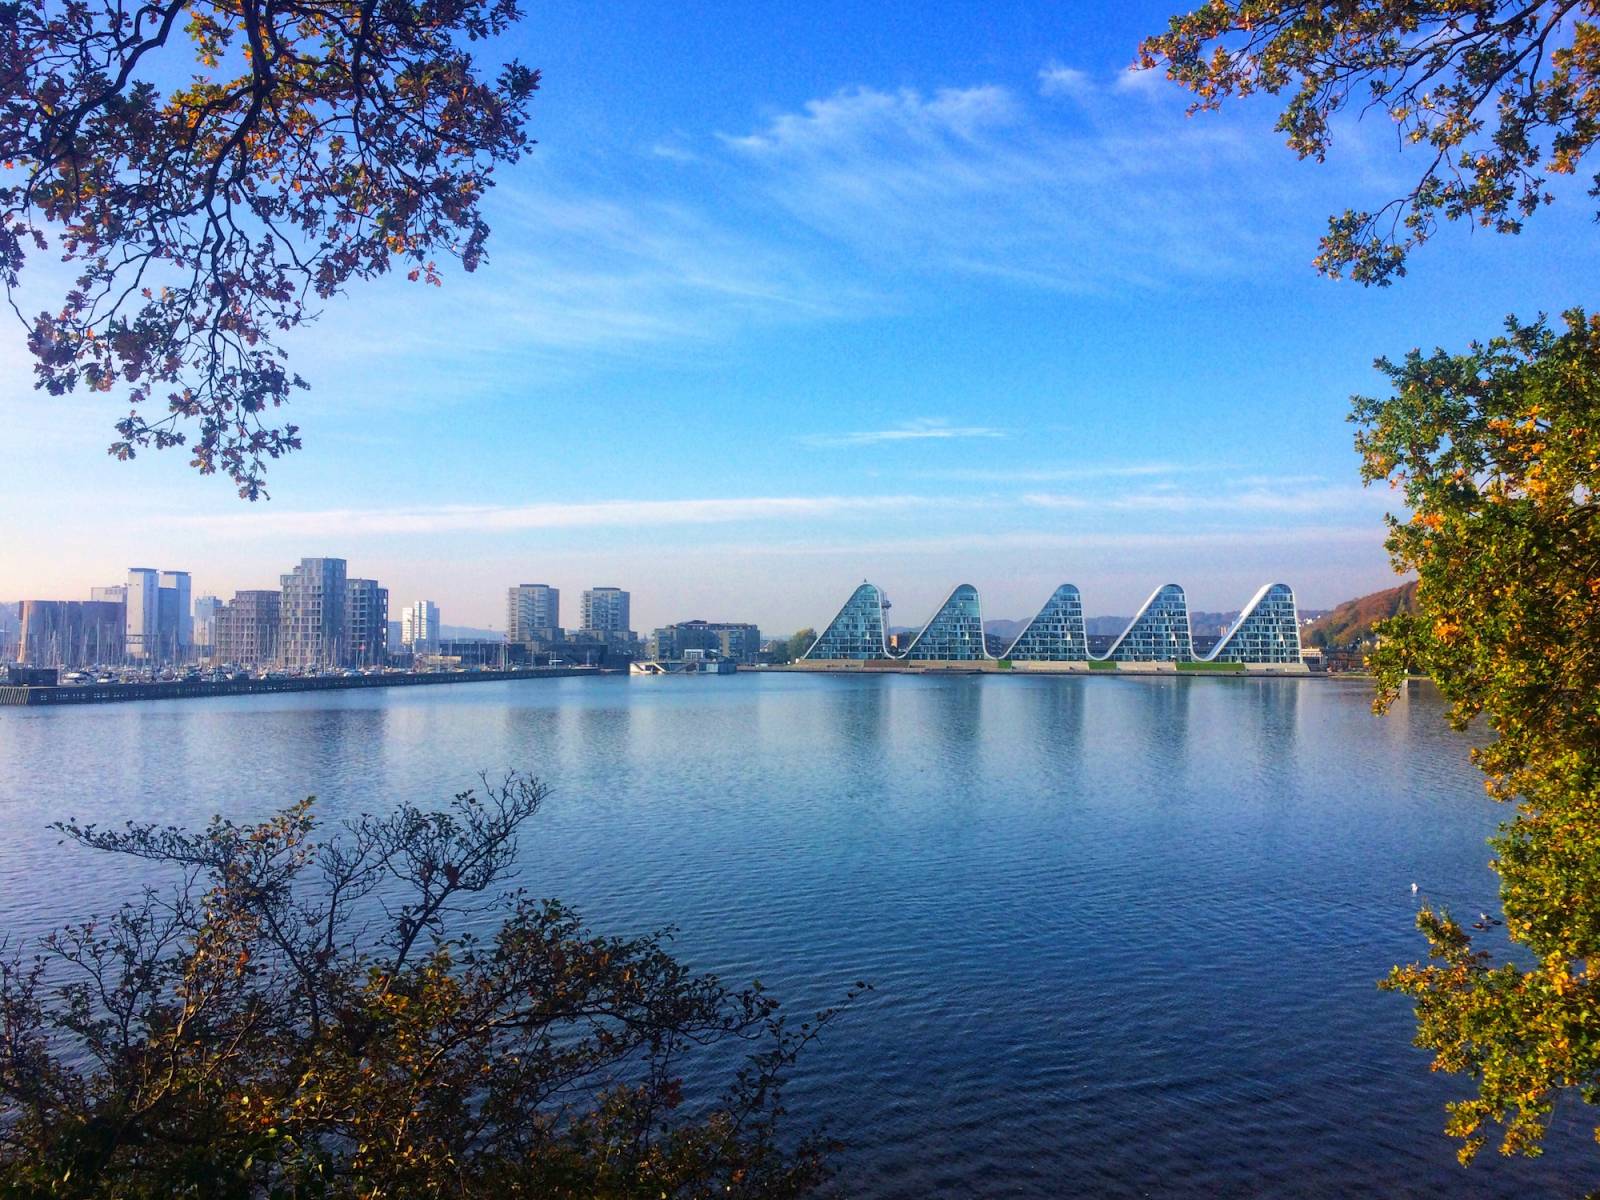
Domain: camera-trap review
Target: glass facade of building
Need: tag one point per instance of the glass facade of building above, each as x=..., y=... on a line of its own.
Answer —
x=1268, y=631
x=1160, y=633
x=956, y=631
x=1056, y=634
x=857, y=632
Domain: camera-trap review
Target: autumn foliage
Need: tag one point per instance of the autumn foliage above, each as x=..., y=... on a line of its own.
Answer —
x=214, y=170
x=1494, y=96
x=307, y=1016
x=1497, y=452
x=1353, y=621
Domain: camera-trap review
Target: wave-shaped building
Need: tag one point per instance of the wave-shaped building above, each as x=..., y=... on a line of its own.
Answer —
x=1057, y=633
x=1267, y=631
x=858, y=632
x=1266, y=634
x=954, y=633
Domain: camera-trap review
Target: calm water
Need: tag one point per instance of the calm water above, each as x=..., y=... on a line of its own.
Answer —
x=1124, y=933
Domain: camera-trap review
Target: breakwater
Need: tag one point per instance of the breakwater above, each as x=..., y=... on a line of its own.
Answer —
x=182, y=689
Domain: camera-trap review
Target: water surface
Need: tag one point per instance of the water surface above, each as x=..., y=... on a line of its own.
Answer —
x=1124, y=932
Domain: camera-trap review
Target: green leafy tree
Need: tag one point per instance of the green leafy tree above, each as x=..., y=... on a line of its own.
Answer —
x=303, y=1017
x=296, y=145
x=801, y=642
x=1498, y=453
x=1495, y=95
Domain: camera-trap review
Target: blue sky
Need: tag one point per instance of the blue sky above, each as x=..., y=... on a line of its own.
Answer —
x=790, y=297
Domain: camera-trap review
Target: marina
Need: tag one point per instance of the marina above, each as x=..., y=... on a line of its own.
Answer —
x=185, y=689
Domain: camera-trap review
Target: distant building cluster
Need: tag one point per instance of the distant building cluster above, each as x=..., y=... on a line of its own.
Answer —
x=533, y=624
x=320, y=618
x=705, y=639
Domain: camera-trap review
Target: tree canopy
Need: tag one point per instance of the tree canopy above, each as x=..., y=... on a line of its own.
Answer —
x=299, y=1017
x=294, y=146
x=1497, y=451
x=1495, y=95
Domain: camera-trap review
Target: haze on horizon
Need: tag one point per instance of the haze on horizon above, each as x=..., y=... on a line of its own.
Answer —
x=858, y=292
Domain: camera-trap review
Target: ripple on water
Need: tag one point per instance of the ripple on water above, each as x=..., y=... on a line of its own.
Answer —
x=1123, y=933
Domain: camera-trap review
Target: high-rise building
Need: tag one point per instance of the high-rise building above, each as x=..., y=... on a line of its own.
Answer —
x=175, y=617
x=160, y=626
x=366, y=623
x=10, y=630
x=71, y=633
x=245, y=631
x=143, y=609
x=311, y=630
x=419, y=626
x=117, y=593
x=533, y=612
x=205, y=624
x=605, y=610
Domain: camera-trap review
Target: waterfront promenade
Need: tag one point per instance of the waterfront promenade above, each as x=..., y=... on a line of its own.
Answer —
x=180, y=689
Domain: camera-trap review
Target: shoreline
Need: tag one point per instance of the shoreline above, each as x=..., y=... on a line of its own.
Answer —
x=1187, y=670
x=27, y=696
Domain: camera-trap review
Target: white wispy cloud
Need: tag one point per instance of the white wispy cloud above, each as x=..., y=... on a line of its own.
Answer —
x=1057, y=80
x=1044, y=539
x=976, y=180
x=1149, y=83
x=1278, y=480
x=1304, y=500
x=1066, y=474
x=502, y=518
x=834, y=211
x=924, y=429
x=581, y=277
x=779, y=510
x=858, y=118
x=674, y=153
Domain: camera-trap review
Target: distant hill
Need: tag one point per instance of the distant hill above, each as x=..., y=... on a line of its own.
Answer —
x=471, y=632
x=1093, y=626
x=1211, y=624
x=1007, y=630
x=1353, y=620
x=1105, y=626
x=1202, y=622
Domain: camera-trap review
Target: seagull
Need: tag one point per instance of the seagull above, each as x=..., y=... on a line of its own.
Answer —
x=1413, y=889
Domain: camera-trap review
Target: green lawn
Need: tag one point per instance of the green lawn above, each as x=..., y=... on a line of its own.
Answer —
x=1096, y=665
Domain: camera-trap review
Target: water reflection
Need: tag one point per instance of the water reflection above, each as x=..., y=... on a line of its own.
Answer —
x=1124, y=931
